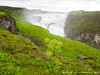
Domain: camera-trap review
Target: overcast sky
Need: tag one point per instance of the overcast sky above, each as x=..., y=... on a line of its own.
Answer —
x=54, y=5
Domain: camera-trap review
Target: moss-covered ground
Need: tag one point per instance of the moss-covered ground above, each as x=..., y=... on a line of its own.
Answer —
x=57, y=55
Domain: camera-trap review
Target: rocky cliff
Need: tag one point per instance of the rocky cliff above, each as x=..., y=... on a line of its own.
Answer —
x=8, y=23
x=84, y=26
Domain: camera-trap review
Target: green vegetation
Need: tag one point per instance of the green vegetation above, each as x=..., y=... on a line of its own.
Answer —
x=53, y=46
x=83, y=26
x=70, y=48
x=15, y=44
x=2, y=13
x=57, y=55
x=84, y=21
x=15, y=12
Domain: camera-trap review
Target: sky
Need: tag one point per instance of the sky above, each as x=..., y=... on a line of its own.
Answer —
x=55, y=5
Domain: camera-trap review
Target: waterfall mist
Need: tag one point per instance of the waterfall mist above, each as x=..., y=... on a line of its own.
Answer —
x=54, y=22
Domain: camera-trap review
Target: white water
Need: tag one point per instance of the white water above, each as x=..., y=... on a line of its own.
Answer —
x=55, y=20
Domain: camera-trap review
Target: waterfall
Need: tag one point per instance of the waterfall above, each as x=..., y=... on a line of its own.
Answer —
x=54, y=22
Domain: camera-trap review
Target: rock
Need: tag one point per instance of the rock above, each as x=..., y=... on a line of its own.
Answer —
x=8, y=23
x=35, y=41
x=84, y=26
x=84, y=57
x=81, y=57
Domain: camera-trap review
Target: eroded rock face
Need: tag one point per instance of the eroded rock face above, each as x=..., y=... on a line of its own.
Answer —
x=8, y=23
x=84, y=26
x=92, y=39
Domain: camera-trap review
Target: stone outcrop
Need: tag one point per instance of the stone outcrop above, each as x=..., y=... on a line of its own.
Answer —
x=85, y=57
x=8, y=23
x=84, y=26
x=35, y=41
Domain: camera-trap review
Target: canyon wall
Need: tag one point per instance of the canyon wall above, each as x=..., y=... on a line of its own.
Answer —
x=84, y=26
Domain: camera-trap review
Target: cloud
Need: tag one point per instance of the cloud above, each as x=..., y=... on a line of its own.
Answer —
x=55, y=5
x=11, y=3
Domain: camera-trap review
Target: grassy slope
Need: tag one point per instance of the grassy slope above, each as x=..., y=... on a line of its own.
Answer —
x=14, y=51
x=88, y=21
x=15, y=44
x=70, y=48
x=18, y=55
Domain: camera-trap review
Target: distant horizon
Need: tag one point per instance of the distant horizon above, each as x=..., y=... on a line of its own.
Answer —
x=50, y=11
x=54, y=5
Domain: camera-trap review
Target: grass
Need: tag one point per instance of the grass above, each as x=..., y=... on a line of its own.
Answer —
x=2, y=13
x=84, y=21
x=19, y=56
x=14, y=44
x=70, y=48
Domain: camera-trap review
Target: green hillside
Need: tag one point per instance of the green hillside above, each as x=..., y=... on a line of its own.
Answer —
x=87, y=21
x=55, y=56
x=70, y=46
x=83, y=26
